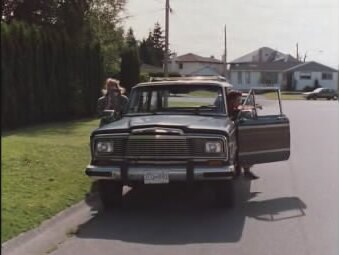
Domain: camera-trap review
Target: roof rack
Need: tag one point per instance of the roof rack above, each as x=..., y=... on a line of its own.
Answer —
x=189, y=78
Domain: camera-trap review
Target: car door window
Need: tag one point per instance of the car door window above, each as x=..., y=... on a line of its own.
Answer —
x=263, y=103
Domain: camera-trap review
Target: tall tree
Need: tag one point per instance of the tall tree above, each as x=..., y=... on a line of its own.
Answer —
x=130, y=63
x=130, y=39
x=152, y=49
x=106, y=23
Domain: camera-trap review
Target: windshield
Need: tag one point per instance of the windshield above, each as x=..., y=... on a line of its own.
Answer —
x=179, y=98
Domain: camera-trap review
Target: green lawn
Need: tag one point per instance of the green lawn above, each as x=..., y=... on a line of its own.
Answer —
x=42, y=173
x=285, y=95
x=202, y=93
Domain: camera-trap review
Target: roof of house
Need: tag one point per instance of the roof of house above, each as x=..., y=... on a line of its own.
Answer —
x=273, y=67
x=190, y=57
x=206, y=70
x=311, y=66
x=265, y=54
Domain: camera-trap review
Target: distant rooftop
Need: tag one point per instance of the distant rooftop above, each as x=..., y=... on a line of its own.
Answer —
x=190, y=57
x=265, y=55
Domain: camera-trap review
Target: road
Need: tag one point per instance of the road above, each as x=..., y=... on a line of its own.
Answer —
x=292, y=209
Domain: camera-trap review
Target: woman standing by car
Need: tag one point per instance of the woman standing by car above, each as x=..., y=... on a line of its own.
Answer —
x=113, y=100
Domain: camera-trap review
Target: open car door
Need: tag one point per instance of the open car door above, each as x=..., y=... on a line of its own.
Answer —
x=263, y=129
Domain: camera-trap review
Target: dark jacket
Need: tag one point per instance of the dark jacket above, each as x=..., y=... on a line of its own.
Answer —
x=118, y=103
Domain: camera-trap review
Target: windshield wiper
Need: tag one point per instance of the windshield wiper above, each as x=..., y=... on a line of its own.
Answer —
x=207, y=108
x=140, y=113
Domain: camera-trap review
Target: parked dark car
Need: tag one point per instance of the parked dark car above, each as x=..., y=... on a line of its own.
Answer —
x=321, y=93
x=180, y=131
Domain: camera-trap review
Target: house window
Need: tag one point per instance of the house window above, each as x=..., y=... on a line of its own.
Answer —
x=269, y=78
x=181, y=65
x=327, y=76
x=239, y=77
x=248, y=78
x=305, y=76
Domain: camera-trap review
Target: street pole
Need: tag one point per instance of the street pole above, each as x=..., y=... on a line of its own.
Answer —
x=225, y=54
x=166, y=39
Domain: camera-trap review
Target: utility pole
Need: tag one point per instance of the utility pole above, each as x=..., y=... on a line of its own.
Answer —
x=297, y=52
x=166, y=38
x=225, y=53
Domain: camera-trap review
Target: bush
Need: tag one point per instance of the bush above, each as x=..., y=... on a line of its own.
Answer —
x=308, y=88
x=162, y=74
x=144, y=77
x=44, y=74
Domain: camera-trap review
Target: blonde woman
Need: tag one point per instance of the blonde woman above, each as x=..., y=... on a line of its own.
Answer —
x=113, y=98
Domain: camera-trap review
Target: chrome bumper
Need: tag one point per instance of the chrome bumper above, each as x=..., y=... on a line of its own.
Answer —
x=175, y=173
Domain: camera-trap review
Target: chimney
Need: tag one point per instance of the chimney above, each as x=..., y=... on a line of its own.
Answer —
x=212, y=56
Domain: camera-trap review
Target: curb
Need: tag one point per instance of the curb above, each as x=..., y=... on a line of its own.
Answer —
x=52, y=232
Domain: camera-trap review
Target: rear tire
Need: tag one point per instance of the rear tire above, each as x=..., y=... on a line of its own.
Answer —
x=110, y=193
x=224, y=194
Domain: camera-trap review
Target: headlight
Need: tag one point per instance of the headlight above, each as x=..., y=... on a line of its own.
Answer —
x=104, y=147
x=213, y=147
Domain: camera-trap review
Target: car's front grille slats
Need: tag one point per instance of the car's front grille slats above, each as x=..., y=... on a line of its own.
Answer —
x=157, y=147
x=161, y=147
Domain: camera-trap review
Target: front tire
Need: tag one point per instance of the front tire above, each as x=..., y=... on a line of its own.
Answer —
x=335, y=98
x=110, y=193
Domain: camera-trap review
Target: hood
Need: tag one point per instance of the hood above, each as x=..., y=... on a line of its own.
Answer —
x=187, y=123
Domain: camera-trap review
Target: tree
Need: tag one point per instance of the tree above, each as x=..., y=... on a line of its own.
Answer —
x=152, y=49
x=130, y=39
x=105, y=21
x=130, y=63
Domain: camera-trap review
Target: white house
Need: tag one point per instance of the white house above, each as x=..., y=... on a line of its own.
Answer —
x=311, y=74
x=193, y=65
x=262, y=67
x=268, y=67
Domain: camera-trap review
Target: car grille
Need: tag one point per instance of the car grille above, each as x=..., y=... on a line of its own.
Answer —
x=161, y=147
x=154, y=147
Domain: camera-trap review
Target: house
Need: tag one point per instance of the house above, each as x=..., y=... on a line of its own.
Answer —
x=262, y=67
x=268, y=67
x=311, y=74
x=146, y=68
x=194, y=65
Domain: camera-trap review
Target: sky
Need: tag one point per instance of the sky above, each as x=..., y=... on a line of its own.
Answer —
x=197, y=26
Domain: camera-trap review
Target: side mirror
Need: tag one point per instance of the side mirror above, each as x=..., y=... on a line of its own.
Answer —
x=247, y=113
x=109, y=116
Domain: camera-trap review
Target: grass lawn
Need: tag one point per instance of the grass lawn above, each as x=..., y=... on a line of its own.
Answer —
x=42, y=173
x=184, y=104
x=285, y=95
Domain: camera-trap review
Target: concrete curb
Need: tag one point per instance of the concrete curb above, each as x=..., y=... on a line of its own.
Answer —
x=54, y=231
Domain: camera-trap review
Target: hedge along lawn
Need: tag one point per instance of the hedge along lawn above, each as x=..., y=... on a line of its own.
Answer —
x=43, y=173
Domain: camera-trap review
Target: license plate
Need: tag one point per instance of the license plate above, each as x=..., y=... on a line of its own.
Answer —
x=156, y=177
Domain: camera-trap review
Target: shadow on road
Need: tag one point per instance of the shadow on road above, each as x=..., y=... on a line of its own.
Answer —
x=175, y=214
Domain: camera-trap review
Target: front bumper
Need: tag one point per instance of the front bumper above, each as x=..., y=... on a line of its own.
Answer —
x=175, y=173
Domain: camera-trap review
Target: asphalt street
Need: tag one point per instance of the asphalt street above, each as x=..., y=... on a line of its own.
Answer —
x=292, y=209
